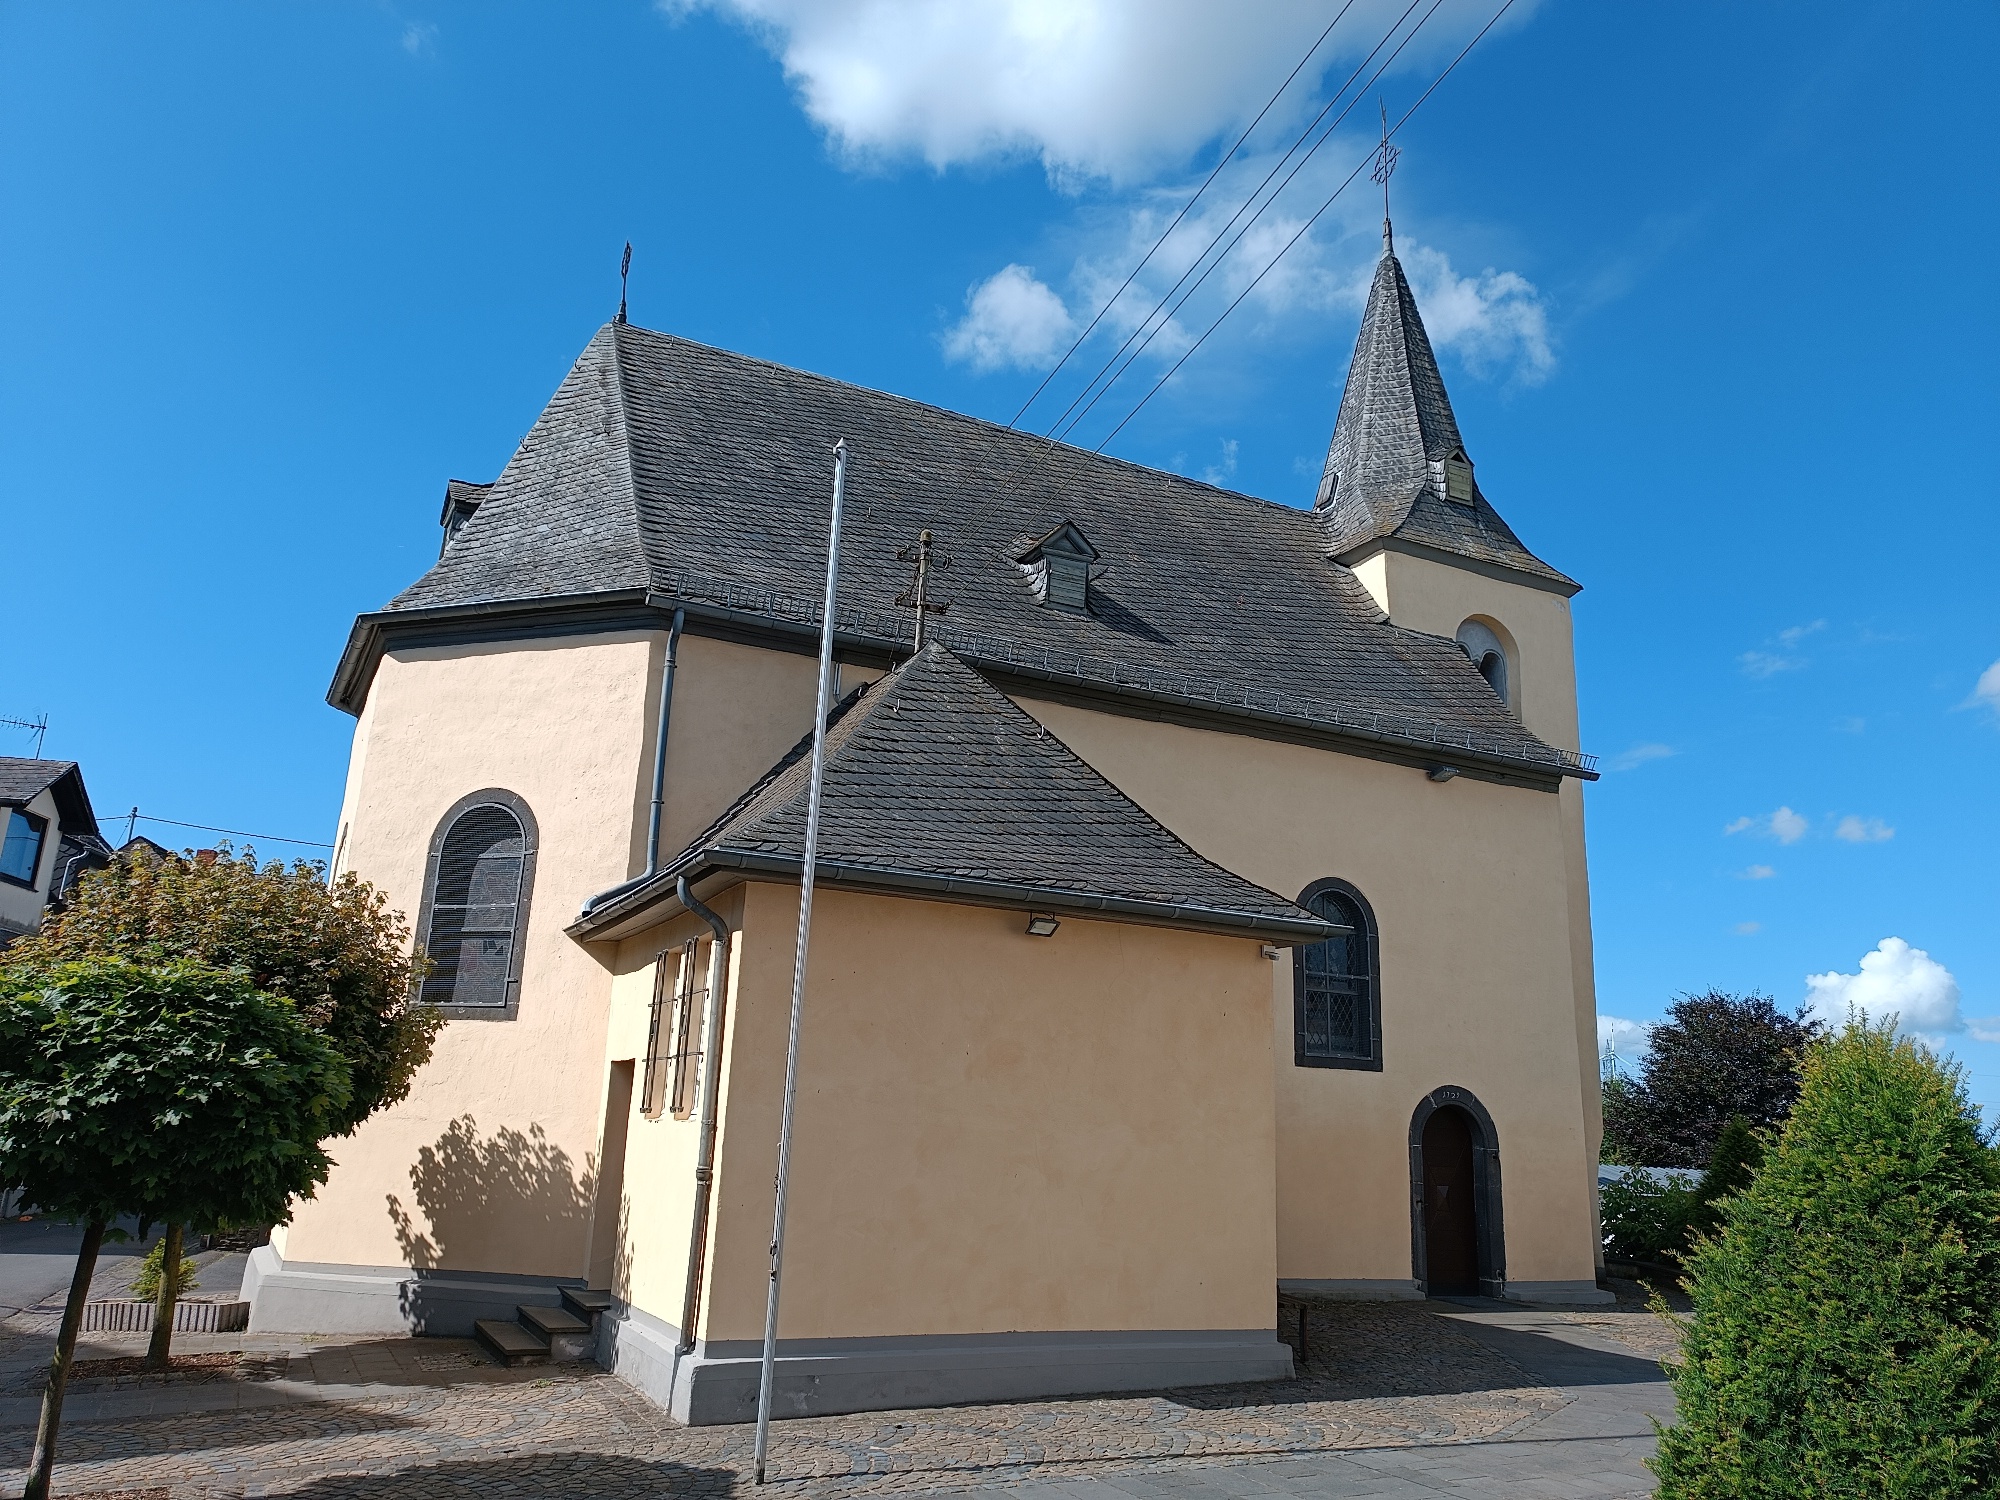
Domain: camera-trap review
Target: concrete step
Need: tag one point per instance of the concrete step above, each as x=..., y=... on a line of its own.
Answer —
x=586, y=1302
x=510, y=1343
x=569, y=1337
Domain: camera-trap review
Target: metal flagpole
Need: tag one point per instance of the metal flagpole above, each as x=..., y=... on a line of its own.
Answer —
x=799, y=960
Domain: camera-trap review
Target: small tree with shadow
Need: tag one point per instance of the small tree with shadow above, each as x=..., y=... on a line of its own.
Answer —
x=1845, y=1339
x=172, y=1093
x=334, y=950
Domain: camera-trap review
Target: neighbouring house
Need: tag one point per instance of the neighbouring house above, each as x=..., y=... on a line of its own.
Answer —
x=1201, y=913
x=48, y=839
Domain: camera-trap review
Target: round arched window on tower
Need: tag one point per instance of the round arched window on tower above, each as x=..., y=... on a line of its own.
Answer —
x=1482, y=643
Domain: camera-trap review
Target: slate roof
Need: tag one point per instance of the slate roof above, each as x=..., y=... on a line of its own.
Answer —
x=938, y=785
x=1393, y=432
x=674, y=473
x=21, y=781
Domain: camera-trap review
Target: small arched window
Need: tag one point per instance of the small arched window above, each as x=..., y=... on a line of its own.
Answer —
x=1483, y=645
x=1336, y=984
x=475, y=909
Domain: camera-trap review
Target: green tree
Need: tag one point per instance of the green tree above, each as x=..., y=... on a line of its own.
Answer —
x=1716, y=1056
x=173, y=1093
x=1845, y=1338
x=335, y=951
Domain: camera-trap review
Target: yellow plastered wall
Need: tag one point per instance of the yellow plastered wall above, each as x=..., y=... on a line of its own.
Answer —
x=491, y=1162
x=1469, y=883
x=1421, y=594
x=994, y=1132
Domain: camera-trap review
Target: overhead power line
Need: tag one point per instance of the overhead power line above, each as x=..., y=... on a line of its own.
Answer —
x=135, y=817
x=1066, y=423
x=1303, y=229
x=1227, y=157
x=1237, y=238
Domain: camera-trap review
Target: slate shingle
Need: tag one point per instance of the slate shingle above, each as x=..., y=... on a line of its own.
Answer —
x=936, y=783
x=694, y=473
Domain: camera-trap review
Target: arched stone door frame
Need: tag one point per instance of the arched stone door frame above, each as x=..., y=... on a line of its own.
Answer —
x=1490, y=1238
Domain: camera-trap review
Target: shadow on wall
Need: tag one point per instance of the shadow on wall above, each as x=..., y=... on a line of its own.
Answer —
x=481, y=1195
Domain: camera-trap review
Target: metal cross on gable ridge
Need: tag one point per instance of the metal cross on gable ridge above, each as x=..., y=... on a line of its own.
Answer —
x=1385, y=168
x=917, y=595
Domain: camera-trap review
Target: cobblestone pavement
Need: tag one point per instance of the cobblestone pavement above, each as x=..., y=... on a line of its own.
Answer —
x=1427, y=1385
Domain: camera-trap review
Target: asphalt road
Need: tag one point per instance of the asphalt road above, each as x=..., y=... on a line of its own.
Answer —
x=38, y=1258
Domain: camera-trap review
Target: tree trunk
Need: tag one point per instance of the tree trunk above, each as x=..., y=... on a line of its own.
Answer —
x=42, y=1466
x=160, y=1349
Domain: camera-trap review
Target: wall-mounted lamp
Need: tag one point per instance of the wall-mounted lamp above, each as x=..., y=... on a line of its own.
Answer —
x=1041, y=924
x=1442, y=773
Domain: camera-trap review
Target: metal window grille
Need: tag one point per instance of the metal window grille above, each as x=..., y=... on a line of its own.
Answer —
x=687, y=1038
x=673, y=1035
x=1335, y=1013
x=476, y=909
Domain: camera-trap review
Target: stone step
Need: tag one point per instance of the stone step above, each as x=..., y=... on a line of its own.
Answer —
x=569, y=1337
x=586, y=1302
x=510, y=1343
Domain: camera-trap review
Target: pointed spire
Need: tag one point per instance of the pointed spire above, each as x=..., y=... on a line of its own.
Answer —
x=1395, y=418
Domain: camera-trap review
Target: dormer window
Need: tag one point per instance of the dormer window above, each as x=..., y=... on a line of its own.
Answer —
x=1058, y=568
x=461, y=500
x=1458, y=478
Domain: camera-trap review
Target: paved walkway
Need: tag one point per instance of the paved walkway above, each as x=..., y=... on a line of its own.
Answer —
x=1468, y=1398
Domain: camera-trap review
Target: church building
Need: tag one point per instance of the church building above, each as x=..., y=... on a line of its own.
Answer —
x=1201, y=907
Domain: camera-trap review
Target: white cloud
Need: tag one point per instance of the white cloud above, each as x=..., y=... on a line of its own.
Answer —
x=1093, y=88
x=1748, y=929
x=1221, y=473
x=1638, y=755
x=419, y=37
x=1492, y=320
x=1895, y=979
x=1762, y=664
x=1011, y=321
x=1630, y=1040
x=1987, y=689
x=1793, y=634
x=1757, y=872
x=1784, y=825
x=1858, y=830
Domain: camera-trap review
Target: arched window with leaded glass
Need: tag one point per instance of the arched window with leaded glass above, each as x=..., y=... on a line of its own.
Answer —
x=1337, y=984
x=474, y=918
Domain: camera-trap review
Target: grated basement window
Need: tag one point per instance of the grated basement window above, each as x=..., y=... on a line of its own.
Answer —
x=1336, y=1006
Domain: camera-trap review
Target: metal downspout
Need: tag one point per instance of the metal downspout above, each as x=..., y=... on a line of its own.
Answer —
x=711, y=1079
x=660, y=741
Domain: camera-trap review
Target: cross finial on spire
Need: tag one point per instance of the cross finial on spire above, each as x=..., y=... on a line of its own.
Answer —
x=1385, y=168
x=624, y=270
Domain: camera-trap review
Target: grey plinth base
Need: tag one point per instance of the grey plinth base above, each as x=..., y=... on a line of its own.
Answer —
x=1352, y=1289
x=311, y=1297
x=1560, y=1293
x=717, y=1382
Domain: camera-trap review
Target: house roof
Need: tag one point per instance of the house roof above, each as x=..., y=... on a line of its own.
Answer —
x=665, y=474
x=21, y=781
x=1394, y=432
x=937, y=785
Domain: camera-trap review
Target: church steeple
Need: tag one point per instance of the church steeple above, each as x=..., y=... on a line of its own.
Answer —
x=1395, y=419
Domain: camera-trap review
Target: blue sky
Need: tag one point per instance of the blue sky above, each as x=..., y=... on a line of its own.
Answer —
x=1712, y=284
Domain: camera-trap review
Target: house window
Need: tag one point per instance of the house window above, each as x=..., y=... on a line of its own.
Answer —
x=21, y=856
x=673, y=1035
x=1482, y=644
x=1458, y=479
x=482, y=871
x=1336, y=984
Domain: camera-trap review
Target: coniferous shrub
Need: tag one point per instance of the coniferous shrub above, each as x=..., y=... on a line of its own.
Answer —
x=1843, y=1337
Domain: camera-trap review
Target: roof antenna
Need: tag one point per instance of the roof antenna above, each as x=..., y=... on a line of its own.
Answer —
x=39, y=728
x=624, y=270
x=1385, y=168
x=917, y=595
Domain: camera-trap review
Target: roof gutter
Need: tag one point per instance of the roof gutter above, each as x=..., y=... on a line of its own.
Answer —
x=630, y=902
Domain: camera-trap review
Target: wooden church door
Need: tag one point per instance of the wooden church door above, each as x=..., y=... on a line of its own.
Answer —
x=1451, y=1244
